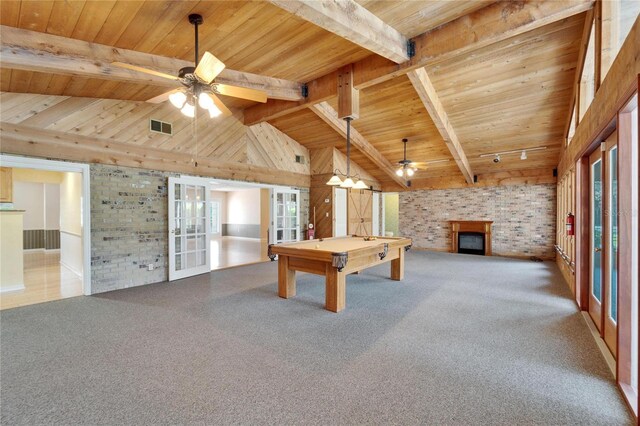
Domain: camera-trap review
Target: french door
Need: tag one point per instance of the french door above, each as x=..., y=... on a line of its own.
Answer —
x=595, y=264
x=603, y=265
x=610, y=308
x=189, y=228
x=286, y=216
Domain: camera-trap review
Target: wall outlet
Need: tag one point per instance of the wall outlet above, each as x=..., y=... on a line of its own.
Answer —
x=151, y=267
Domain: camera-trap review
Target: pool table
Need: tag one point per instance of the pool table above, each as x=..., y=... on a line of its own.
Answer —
x=335, y=258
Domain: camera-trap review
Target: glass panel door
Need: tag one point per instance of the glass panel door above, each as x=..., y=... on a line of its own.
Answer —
x=595, y=213
x=189, y=228
x=611, y=219
x=286, y=216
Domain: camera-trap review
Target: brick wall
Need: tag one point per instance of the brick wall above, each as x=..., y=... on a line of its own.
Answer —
x=129, y=226
x=524, y=217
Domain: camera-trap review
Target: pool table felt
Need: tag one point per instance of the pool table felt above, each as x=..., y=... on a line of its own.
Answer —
x=339, y=244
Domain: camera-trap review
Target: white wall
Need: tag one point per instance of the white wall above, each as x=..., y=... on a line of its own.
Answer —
x=52, y=203
x=221, y=196
x=71, y=203
x=29, y=196
x=71, y=222
x=243, y=207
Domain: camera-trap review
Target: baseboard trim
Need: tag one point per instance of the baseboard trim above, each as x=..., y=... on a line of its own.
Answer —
x=611, y=362
x=79, y=274
x=12, y=288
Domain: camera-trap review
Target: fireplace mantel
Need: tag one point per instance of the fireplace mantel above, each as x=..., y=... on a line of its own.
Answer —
x=481, y=226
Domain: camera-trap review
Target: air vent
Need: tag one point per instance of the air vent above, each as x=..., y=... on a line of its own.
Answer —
x=158, y=126
x=300, y=159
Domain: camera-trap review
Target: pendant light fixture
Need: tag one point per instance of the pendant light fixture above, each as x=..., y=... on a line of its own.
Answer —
x=407, y=168
x=348, y=181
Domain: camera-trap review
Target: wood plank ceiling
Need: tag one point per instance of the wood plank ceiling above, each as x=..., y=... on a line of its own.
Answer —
x=510, y=95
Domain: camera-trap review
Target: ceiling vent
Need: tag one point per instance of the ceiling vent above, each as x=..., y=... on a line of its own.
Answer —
x=158, y=126
x=300, y=159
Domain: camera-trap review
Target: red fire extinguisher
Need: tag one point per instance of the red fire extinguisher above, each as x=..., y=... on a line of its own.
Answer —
x=571, y=220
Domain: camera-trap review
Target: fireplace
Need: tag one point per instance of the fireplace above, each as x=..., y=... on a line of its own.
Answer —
x=471, y=243
x=471, y=237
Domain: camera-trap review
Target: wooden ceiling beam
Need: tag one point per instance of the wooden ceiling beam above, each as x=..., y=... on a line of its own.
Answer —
x=349, y=20
x=505, y=178
x=421, y=82
x=34, y=51
x=492, y=24
x=330, y=116
x=348, y=96
x=26, y=140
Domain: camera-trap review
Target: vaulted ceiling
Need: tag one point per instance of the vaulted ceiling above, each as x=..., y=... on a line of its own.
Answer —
x=510, y=92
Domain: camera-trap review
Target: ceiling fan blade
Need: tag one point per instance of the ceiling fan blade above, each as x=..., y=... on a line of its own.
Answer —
x=240, y=92
x=209, y=67
x=222, y=107
x=163, y=97
x=144, y=70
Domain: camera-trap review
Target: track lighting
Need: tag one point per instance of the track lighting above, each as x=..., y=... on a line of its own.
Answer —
x=523, y=153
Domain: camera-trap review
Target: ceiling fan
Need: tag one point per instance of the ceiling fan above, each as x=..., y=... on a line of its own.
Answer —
x=199, y=83
x=408, y=168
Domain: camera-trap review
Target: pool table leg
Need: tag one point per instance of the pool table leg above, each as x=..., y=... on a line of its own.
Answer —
x=397, y=266
x=286, y=278
x=336, y=290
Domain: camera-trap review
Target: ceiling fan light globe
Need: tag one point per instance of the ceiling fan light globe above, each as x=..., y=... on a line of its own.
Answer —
x=399, y=172
x=189, y=110
x=348, y=183
x=178, y=99
x=410, y=172
x=214, y=111
x=205, y=101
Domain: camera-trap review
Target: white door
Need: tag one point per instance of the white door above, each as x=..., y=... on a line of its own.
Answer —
x=286, y=216
x=189, y=228
x=376, y=214
x=340, y=212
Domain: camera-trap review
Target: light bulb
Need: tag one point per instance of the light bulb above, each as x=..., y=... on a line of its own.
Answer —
x=523, y=156
x=178, y=99
x=348, y=183
x=214, y=111
x=189, y=110
x=409, y=172
x=399, y=172
x=204, y=100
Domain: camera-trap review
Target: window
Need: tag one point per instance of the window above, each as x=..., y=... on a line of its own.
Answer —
x=587, y=80
x=572, y=125
x=617, y=19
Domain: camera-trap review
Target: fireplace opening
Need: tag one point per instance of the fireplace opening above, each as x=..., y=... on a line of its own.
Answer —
x=471, y=243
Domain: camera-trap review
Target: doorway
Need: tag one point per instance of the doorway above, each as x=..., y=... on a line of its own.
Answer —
x=216, y=224
x=45, y=237
x=603, y=242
